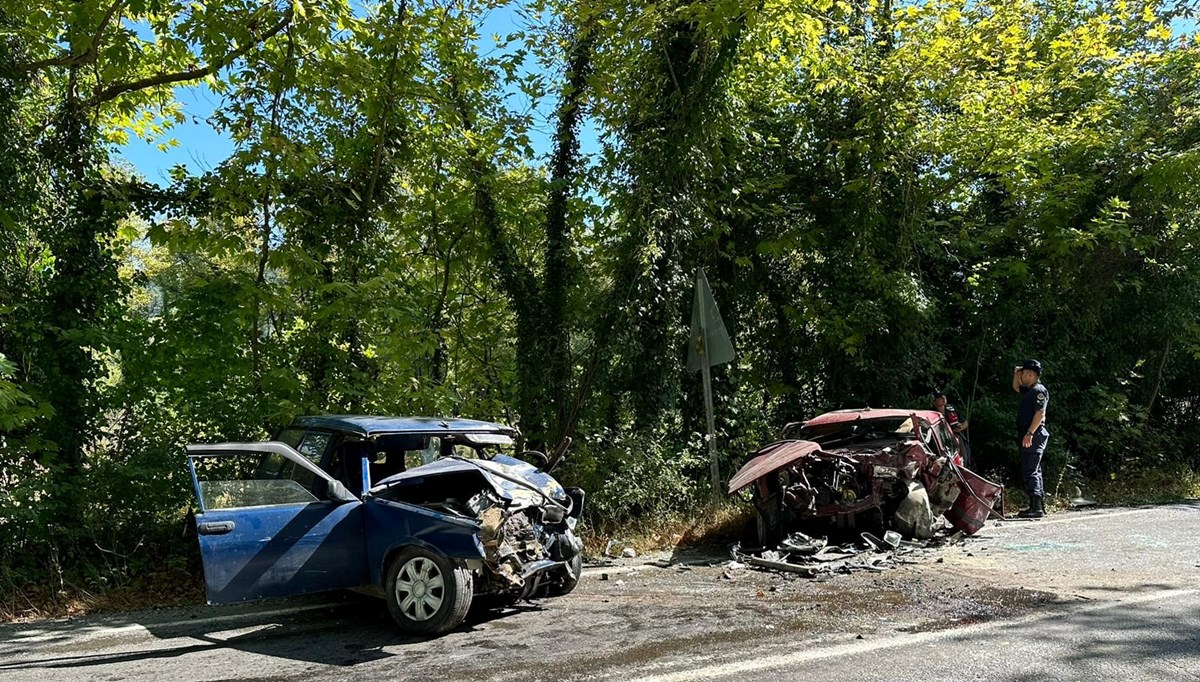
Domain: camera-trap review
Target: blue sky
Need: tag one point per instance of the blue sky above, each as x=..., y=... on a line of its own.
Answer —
x=200, y=148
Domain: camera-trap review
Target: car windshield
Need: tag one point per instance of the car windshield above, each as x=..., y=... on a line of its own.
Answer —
x=860, y=431
x=477, y=446
x=388, y=451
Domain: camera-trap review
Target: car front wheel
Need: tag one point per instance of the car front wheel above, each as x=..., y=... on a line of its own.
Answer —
x=569, y=581
x=427, y=593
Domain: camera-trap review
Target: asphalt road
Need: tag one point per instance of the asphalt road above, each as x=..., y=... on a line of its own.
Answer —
x=1113, y=594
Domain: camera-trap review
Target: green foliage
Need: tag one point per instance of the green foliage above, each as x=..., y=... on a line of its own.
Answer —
x=886, y=198
x=637, y=475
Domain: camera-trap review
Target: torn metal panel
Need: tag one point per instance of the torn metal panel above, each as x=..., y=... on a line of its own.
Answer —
x=800, y=543
x=863, y=469
x=976, y=504
x=770, y=458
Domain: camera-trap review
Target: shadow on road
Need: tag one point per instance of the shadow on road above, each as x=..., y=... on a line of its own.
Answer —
x=1139, y=636
x=349, y=633
x=1143, y=588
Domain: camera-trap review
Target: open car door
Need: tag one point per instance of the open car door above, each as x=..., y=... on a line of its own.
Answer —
x=273, y=524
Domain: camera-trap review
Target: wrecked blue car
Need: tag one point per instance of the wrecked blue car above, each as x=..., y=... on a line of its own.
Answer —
x=426, y=513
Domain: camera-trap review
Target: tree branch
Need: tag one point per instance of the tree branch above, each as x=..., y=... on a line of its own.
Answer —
x=518, y=279
x=1158, y=380
x=116, y=90
x=381, y=138
x=88, y=56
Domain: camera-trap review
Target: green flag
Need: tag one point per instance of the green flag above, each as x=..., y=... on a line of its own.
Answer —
x=709, y=341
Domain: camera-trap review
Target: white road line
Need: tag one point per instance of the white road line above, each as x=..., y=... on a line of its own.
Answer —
x=735, y=668
x=615, y=570
x=1034, y=523
x=84, y=633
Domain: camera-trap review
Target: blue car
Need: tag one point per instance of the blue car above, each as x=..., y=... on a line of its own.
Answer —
x=426, y=513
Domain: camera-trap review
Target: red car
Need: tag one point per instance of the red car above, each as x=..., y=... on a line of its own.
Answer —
x=870, y=469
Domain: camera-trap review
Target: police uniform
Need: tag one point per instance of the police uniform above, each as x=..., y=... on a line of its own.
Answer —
x=1034, y=399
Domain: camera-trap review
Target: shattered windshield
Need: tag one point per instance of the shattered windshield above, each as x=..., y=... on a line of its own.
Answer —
x=860, y=431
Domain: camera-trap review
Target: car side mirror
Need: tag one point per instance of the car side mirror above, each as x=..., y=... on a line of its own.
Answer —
x=338, y=491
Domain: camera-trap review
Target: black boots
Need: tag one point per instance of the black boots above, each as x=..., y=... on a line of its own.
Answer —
x=1035, y=511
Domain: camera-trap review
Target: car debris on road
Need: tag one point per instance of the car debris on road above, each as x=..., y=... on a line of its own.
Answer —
x=811, y=557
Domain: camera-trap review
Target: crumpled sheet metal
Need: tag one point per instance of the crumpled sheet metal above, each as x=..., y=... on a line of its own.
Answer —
x=772, y=458
x=834, y=559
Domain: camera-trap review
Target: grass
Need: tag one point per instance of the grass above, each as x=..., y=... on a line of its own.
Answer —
x=155, y=589
x=710, y=525
x=1143, y=486
x=1128, y=488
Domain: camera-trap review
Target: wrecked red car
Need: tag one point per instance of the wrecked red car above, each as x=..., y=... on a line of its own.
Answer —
x=889, y=469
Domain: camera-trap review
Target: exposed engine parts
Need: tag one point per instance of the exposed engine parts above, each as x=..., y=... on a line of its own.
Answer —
x=528, y=547
x=865, y=469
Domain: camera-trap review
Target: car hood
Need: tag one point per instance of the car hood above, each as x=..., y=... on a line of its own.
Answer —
x=510, y=477
x=771, y=458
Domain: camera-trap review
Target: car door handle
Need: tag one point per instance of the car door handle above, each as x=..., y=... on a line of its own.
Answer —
x=214, y=527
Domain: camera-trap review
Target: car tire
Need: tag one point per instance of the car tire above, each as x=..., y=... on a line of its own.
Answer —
x=426, y=592
x=568, y=583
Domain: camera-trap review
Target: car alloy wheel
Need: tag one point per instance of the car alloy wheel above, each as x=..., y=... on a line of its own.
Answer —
x=420, y=589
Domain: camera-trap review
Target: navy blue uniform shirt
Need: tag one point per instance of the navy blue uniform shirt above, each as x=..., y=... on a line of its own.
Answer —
x=1033, y=398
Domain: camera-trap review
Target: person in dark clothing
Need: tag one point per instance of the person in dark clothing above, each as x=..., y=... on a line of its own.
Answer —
x=1032, y=433
x=955, y=421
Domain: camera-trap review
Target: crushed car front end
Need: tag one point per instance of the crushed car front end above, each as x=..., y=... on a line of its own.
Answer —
x=883, y=469
x=521, y=520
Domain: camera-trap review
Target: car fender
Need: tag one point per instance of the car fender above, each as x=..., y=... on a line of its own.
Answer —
x=392, y=525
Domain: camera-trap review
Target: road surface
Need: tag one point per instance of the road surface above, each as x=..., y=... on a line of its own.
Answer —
x=1110, y=594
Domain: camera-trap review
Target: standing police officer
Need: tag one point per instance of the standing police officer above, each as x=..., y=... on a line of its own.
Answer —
x=1031, y=432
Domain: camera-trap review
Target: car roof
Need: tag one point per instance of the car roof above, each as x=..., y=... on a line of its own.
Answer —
x=844, y=416
x=367, y=425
